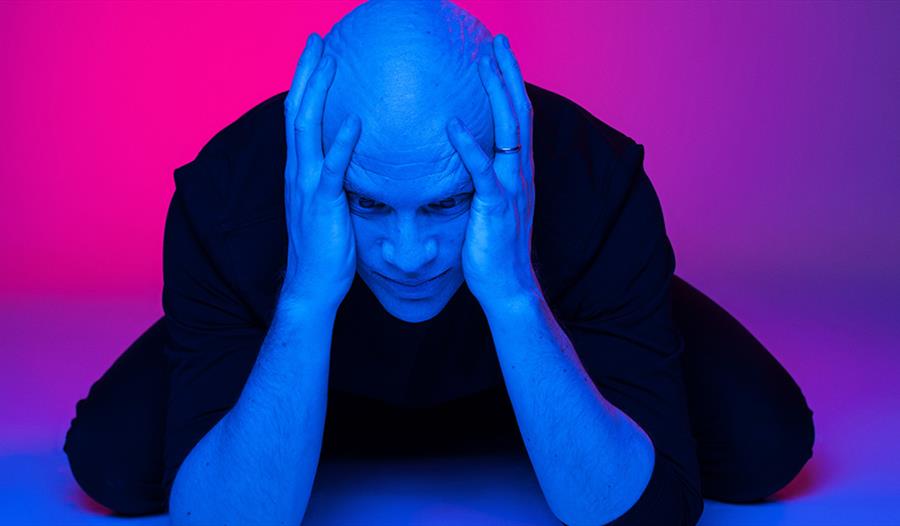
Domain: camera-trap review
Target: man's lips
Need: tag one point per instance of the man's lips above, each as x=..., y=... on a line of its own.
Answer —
x=412, y=283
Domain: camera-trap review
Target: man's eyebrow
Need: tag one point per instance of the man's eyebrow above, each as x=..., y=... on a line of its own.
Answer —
x=461, y=186
x=348, y=184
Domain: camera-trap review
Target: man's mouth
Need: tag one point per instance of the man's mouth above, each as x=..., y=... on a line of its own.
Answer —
x=406, y=283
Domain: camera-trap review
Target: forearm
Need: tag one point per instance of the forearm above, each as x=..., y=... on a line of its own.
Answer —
x=592, y=461
x=257, y=464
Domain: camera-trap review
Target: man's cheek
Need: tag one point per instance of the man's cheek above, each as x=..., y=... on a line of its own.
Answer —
x=366, y=238
x=457, y=233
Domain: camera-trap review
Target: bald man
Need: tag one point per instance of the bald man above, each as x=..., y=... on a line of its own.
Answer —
x=441, y=258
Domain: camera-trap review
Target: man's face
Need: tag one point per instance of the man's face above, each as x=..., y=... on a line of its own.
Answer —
x=409, y=193
x=405, y=69
x=410, y=222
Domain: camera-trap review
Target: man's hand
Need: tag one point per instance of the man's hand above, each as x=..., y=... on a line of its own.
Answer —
x=321, y=261
x=496, y=253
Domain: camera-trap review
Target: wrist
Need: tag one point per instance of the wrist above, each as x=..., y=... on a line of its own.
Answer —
x=523, y=300
x=292, y=300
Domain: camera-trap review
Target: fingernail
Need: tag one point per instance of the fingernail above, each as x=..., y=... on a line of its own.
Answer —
x=504, y=41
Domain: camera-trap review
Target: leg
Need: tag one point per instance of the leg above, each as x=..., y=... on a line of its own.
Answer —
x=115, y=442
x=753, y=428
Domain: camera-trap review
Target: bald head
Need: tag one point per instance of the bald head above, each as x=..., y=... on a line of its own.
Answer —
x=406, y=67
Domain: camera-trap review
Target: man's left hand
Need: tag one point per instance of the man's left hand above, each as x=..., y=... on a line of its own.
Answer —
x=496, y=253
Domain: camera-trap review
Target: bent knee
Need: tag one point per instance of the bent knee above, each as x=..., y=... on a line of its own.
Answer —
x=106, y=477
x=763, y=457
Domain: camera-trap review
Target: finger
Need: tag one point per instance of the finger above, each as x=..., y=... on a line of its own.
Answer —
x=309, y=59
x=506, y=133
x=331, y=185
x=304, y=70
x=479, y=165
x=515, y=85
x=308, y=126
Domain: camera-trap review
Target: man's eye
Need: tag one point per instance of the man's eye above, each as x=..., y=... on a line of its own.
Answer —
x=369, y=204
x=445, y=203
x=450, y=203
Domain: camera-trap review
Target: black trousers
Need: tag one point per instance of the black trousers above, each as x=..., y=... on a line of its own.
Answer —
x=737, y=391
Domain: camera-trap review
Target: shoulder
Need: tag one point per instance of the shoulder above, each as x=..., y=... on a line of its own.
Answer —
x=561, y=126
x=237, y=175
x=595, y=210
x=249, y=131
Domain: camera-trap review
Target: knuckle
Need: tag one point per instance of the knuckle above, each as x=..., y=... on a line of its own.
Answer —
x=346, y=131
x=331, y=168
x=528, y=109
x=327, y=169
x=301, y=126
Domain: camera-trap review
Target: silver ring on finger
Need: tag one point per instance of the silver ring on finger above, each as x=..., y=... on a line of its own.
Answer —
x=514, y=149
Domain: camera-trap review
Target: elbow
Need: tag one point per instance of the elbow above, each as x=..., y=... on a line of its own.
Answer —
x=189, y=503
x=623, y=488
x=670, y=496
x=180, y=513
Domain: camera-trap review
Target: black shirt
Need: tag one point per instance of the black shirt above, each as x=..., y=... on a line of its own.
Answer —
x=601, y=255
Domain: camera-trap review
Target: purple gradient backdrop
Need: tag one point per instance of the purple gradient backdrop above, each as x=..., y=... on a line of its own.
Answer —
x=771, y=132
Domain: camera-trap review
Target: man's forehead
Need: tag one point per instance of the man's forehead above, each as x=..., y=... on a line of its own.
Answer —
x=441, y=178
x=407, y=164
x=450, y=185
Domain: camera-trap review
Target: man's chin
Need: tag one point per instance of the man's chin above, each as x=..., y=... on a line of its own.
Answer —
x=411, y=308
x=421, y=312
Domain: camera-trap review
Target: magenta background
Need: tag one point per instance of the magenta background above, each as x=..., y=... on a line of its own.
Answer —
x=771, y=130
x=771, y=134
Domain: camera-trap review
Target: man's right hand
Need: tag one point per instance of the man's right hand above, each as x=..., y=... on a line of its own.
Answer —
x=321, y=262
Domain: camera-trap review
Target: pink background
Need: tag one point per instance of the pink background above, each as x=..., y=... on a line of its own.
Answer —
x=771, y=132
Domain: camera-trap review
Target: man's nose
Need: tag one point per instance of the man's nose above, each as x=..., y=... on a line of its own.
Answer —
x=408, y=250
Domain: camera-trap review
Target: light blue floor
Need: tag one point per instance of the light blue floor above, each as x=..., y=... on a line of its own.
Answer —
x=38, y=489
x=843, y=356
